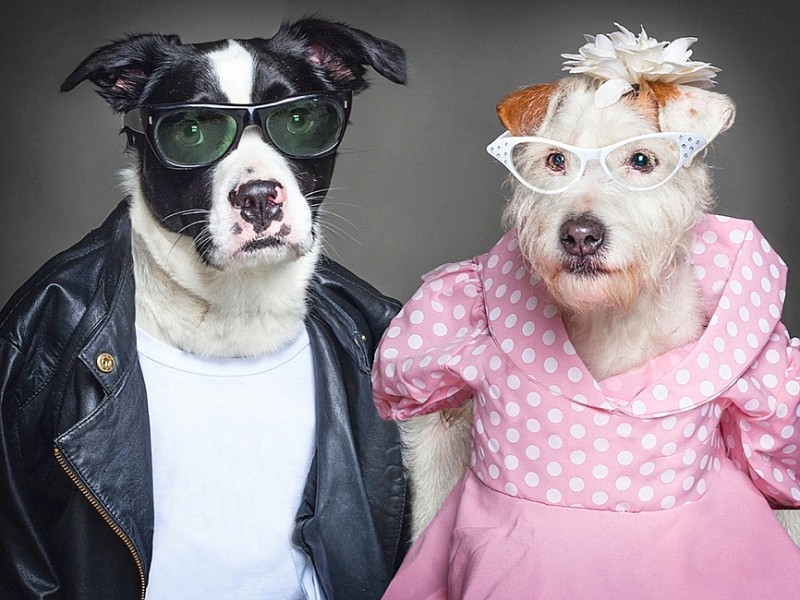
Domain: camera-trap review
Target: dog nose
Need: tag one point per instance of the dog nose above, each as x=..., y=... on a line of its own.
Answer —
x=260, y=202
x=582, y=235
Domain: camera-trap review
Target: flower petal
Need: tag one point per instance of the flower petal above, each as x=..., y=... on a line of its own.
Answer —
x=611, y=91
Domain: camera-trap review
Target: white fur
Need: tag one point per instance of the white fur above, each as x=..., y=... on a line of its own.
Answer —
x=242, y=303
x=233, y=67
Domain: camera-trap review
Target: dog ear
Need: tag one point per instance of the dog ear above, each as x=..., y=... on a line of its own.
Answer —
x=690, y=109
x=523, y=111
x=121, y=69
x=342, y=52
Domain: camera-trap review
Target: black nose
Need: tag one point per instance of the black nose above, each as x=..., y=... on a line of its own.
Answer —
x=260, y=202
x=582, y=235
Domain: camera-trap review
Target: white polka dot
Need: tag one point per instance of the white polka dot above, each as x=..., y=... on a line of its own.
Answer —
x=647, y=469
x=599, y=498
x=415, y=342
x=623, y=483
x=600, y=472
x=512, y=409
x=470, y=373
x=440, y=329
x=601, y=444
x=553, y=496
x=533, y=425
x=531, y=479
x=660, y=392
x=555, y=442
x=534, y=399
x=555, y=469
x=577, y=457
x=555, y=416
x=551, y=365
x=511, y=463
x=649, y=441
x=512, y=435
x=510, y=489
x=646, y=494
x=767, y=442
x=533, y=452
x=601, y=418
x=494, y=471
x=576, y=484
x=668, y=502
x=624, y=430
x=574, y=374
x=528, y=356
x=577, y=431
x=625, y=458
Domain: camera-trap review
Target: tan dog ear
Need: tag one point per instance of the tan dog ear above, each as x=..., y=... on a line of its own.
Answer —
x=523, y=111
x=689, y=109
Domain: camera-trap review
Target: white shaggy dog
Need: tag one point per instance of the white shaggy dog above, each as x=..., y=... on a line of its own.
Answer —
x=617, y=261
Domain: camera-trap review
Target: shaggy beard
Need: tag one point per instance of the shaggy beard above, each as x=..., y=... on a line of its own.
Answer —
x=579, y=293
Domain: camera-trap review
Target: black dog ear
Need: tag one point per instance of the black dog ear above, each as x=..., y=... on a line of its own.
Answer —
x=121, y=69
x=342, y=52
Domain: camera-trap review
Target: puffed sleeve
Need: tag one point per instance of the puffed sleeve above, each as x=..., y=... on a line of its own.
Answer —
x=762, y=426
x=416, y=368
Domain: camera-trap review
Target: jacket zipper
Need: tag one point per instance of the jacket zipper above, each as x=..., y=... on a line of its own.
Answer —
x=103, y=513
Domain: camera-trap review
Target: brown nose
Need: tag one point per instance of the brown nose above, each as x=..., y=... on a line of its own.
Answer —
x=260, y=202
x=582, y=235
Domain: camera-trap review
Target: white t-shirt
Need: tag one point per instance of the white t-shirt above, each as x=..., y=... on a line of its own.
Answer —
x=232, y=443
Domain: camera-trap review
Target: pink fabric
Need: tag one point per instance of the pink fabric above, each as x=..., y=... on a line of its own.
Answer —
x=655, y=448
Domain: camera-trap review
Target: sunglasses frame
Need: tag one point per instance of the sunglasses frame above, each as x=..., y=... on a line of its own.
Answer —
x=144, y=119
x=501, y=148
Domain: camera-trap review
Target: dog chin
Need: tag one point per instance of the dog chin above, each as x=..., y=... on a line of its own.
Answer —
x=261, y=252
x=589, y=288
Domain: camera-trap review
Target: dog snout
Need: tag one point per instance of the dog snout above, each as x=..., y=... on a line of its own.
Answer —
x=260, y=202
x=582, y=235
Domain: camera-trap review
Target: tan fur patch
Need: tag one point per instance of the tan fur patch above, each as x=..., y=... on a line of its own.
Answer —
x=522, y=111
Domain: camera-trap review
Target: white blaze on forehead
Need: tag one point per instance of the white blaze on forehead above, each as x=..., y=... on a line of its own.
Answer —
x=233, y=67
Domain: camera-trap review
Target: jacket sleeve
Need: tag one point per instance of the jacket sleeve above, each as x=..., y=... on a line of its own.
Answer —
x=26, y=570
x=762, y=426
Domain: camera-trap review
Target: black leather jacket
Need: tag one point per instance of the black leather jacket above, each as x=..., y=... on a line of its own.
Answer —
x=76, y=500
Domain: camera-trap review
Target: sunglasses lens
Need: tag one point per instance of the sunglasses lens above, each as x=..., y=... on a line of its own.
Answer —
x=306, y=128
x=194, y=137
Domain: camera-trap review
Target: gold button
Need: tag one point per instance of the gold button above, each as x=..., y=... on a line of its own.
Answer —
x=106, y=362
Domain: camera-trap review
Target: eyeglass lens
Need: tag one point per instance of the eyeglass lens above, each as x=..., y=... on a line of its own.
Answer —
x=638, y=164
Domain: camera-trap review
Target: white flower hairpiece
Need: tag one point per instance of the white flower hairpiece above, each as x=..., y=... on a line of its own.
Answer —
x=623, y=59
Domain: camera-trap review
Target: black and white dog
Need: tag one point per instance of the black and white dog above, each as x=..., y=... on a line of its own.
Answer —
x=244, y=199
x=214, y=259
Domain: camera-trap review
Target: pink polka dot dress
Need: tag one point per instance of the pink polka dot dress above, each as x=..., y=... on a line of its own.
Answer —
x=655, y=483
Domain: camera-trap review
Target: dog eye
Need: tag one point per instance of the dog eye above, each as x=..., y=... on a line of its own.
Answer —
x=189, y=132
x=556, y=161
x=300, y=121
x=643, y=162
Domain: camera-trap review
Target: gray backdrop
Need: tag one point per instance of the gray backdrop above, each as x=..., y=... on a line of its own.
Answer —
x=414, y=186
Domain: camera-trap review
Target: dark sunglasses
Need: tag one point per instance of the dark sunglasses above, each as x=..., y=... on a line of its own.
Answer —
x=191, y=135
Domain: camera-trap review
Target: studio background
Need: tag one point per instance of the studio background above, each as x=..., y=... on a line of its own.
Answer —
x=414, y=186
